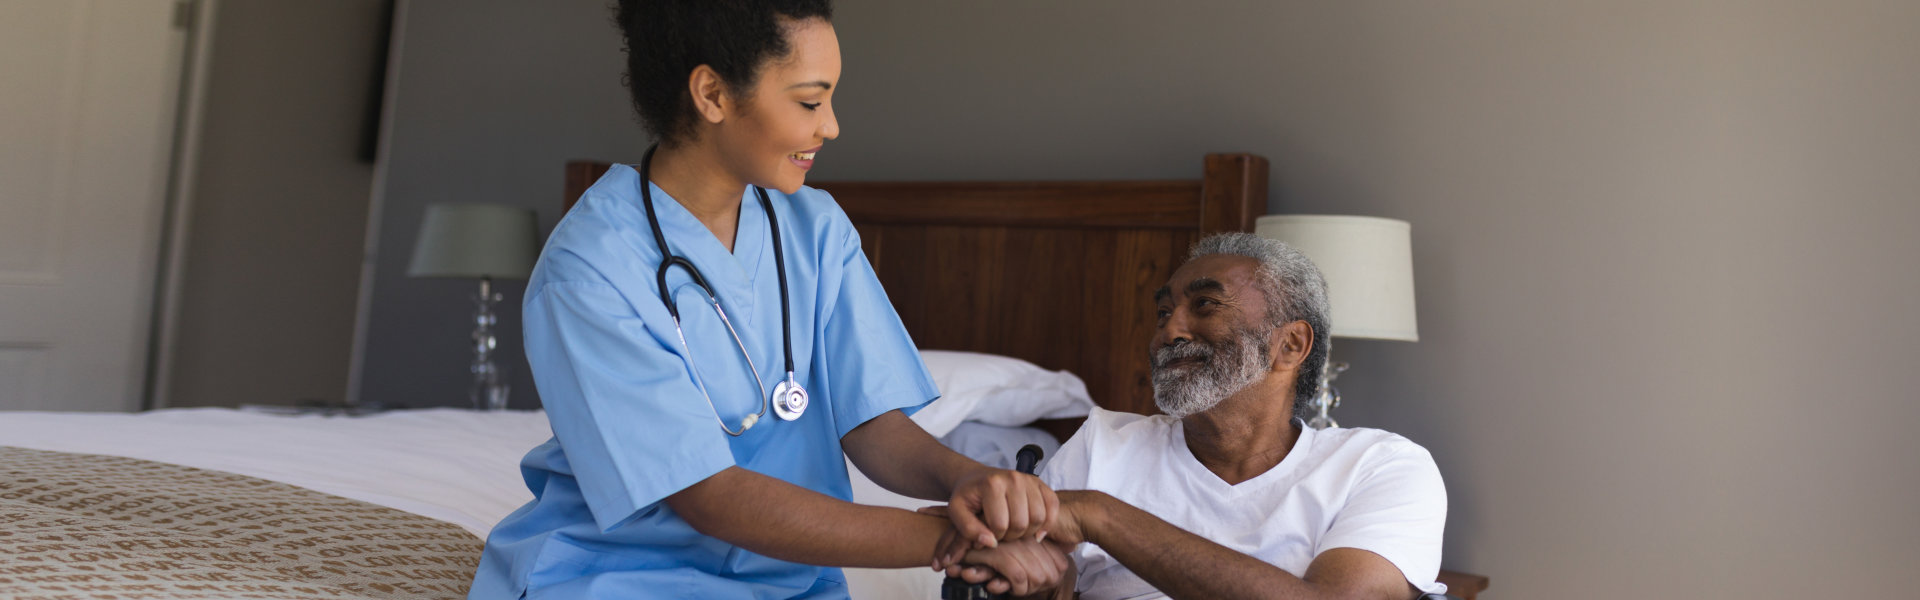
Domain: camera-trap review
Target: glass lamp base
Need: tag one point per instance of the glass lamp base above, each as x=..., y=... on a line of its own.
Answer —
x=488, y=392
x=1329, y=398
x=490, y=397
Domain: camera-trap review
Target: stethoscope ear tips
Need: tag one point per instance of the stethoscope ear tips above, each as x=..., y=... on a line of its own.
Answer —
x=748, y=422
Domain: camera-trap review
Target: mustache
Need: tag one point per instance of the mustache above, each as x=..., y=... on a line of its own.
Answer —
x=1165, y=356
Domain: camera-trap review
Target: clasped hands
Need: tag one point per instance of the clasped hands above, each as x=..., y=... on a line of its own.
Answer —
x=1008, y=531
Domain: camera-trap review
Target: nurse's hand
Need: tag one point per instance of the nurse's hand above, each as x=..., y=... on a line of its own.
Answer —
x=1022, y=567
x=990, y=504
x=1079, y=510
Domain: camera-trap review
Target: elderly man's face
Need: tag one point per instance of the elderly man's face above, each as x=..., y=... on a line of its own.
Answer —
x=1212, y=339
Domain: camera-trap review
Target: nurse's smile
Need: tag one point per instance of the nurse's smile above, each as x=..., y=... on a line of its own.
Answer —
x=803, y=159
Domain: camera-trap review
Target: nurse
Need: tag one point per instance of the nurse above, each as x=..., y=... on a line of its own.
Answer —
x=676, y=470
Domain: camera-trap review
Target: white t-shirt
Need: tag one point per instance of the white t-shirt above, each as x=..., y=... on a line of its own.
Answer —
x=1337, y=488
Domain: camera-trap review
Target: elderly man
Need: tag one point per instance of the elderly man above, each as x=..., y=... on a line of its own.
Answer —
x=1228, y=495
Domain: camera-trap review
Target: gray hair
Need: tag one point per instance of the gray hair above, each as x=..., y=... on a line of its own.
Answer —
x=1295, y=291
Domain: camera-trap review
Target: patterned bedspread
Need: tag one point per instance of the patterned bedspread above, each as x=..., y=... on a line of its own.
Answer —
x=79, y=526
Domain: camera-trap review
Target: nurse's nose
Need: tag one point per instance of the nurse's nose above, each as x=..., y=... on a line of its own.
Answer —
x=830, y=126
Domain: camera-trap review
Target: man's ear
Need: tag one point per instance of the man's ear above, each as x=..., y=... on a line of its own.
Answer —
x=709, y=94
x=1291, y=344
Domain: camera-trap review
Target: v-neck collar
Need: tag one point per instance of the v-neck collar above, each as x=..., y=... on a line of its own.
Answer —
x=731, y=274
x=1287, y=465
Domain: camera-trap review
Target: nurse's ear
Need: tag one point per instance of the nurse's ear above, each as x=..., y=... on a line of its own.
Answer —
x=709, y=94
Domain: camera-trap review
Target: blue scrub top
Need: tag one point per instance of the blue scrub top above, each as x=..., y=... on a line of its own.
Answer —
x=630, y=427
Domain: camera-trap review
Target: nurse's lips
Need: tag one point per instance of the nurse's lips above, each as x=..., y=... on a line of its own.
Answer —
x=804, y=158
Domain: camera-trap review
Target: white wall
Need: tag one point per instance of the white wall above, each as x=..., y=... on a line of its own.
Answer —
x=1664, y=250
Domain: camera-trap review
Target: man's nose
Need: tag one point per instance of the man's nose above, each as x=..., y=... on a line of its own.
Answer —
x=1173, y=332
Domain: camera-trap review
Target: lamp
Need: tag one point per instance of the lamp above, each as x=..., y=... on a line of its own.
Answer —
x=1368, y=265
x=484, y=241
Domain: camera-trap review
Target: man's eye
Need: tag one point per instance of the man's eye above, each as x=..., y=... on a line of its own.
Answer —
x=810, y=105
x=1162, y=313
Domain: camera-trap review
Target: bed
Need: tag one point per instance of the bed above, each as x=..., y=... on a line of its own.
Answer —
x=1054, y=277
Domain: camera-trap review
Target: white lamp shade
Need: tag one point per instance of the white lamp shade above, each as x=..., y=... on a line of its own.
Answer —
x=476, y=240
x=1368, y=264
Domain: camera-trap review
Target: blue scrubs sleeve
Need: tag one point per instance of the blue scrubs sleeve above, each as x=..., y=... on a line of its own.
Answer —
x=632, y=425
x=876, y=367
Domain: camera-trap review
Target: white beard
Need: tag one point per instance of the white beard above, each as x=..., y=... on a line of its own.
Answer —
x=1239, y=362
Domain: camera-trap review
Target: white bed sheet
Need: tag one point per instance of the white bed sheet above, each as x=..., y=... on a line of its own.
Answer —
x=457, y=466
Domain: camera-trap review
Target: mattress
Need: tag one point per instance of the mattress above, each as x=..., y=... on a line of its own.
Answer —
x=449, y=465
x=452, y=465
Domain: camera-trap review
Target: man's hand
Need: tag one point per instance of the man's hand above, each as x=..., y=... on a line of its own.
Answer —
x=989, y=505
x=1022, y=567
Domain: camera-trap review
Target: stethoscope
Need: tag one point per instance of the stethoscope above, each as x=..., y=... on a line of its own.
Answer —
x=789, y=400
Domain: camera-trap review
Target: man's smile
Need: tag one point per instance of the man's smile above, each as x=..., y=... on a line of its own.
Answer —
x=1183, y=362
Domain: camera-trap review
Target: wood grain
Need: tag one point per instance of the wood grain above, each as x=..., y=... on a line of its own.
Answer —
x=1094, y=204
x=1465, y=585
x=580, y=175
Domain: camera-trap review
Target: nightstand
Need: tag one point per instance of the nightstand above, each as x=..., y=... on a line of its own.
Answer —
x=1464, y=585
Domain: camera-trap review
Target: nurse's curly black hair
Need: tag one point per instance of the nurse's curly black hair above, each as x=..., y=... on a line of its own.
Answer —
x=666, y=39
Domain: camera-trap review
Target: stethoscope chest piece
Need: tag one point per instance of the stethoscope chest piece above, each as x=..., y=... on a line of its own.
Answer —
x=789, y=399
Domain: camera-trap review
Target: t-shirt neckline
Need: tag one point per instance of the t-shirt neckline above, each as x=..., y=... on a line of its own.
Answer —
x=1294, y=457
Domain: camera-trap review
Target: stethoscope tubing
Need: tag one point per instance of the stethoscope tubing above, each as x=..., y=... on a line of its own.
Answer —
x=786, y=389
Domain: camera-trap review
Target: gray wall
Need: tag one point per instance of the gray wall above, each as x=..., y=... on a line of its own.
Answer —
x=279, y=207
x=1663, y=249
x=492, y=98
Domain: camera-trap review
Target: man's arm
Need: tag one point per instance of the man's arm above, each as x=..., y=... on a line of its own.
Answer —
x=995, y=504
x=1183, y=565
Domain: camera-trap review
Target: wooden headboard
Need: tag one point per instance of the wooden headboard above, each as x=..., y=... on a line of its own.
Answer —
x=1057, y=273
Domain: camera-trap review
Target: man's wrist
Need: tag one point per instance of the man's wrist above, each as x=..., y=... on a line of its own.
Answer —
x=1089, y=510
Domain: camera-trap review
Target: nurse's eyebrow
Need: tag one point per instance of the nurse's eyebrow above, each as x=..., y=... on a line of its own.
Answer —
x=820, y=84
x=1162, y=295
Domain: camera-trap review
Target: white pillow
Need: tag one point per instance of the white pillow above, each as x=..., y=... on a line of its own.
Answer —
x=999, y=447
x=997, y=390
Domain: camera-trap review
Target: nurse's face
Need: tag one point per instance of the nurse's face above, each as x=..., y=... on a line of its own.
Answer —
x=788, y=114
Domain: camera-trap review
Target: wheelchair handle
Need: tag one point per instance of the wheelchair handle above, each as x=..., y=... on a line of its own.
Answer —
x=955, y=588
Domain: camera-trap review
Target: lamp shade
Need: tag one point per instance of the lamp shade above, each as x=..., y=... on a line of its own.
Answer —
x=1368, y=264
x=476, y=240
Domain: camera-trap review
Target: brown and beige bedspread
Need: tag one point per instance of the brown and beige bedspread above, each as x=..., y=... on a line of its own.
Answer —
x=79, y=526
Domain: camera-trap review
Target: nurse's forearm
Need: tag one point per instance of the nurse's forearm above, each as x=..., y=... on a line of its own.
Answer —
x=777, y=519
x=896, y=453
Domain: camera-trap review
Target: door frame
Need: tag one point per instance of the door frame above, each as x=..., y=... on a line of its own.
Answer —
x=197, y=16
